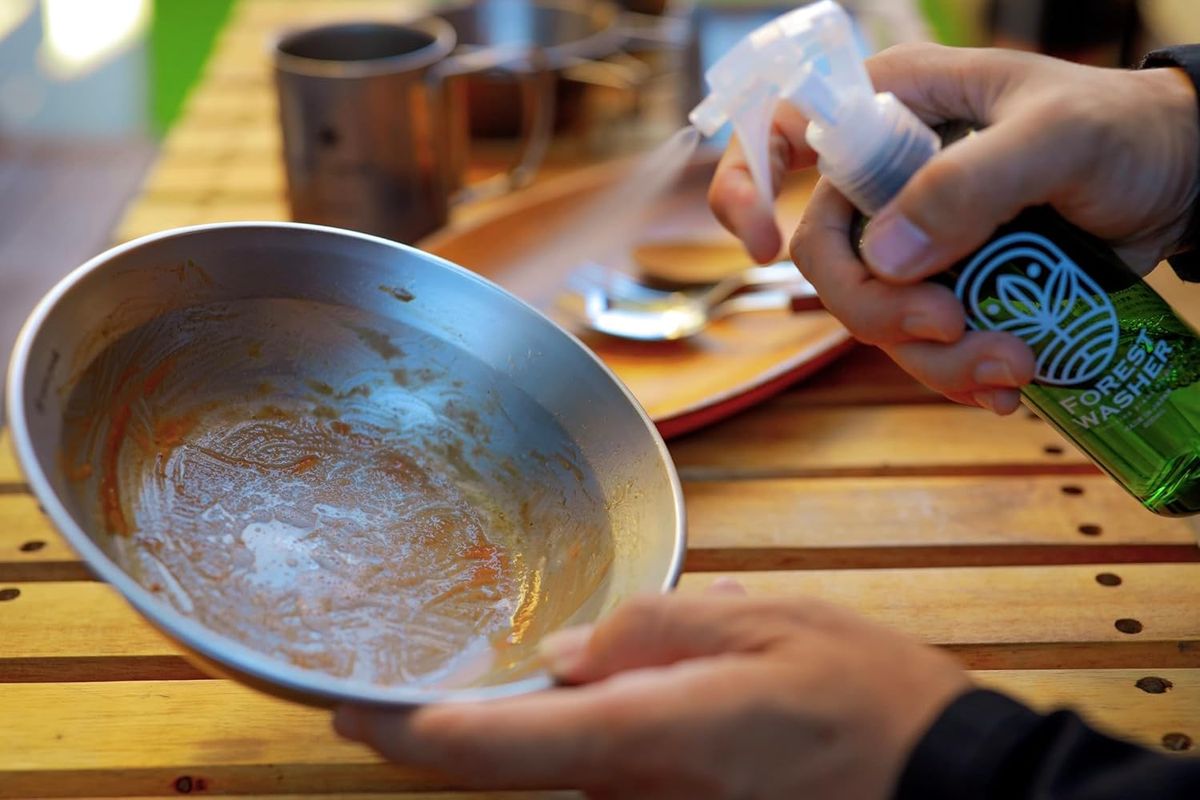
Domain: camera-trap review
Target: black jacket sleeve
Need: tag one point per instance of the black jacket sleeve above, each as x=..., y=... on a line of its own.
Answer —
x=985, y=746
x=1186, y=263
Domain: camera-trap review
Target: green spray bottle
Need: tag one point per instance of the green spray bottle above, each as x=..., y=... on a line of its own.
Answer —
x=1117, y=372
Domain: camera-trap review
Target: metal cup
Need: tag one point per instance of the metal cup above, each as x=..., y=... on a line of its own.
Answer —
x=368, y=136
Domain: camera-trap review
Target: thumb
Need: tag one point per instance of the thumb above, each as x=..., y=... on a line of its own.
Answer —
x=954, y=203
x=659, y=631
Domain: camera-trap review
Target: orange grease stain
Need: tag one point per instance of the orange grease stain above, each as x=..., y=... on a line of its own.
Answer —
x=484, y=576
x=110, y=493
x=156, y=376
x=77, y=472
x=170, y=432
x=304, y=465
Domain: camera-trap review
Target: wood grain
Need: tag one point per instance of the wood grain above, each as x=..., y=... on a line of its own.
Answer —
x=1064, y=611
x=864, y=376
x=780, y=440
x=1111, y=699
x=30, y=548
x=141, y=737
x=937, y=521
x=11, y=478
x=827, y=523
x=993, y=616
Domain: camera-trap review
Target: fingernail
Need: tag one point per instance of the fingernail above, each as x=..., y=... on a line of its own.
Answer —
x=727, y=586
x=998, y=401
x=995, y=372
x=894, y=247
x=1006, y=401
x=563, y=651
x=984, y=399
x=920, y=326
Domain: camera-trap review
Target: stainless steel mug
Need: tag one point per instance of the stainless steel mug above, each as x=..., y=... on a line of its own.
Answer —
x=368, y=136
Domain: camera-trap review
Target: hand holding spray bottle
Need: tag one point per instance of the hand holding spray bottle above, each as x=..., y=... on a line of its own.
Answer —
x=1116, y=369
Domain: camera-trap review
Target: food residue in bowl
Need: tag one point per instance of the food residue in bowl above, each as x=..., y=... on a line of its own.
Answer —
x=393, y=531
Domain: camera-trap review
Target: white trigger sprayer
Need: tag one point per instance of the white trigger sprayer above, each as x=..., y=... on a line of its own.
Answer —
x=868, y=144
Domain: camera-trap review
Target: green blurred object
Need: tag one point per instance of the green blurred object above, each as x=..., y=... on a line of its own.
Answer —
x=949, y=22
x=181, y=36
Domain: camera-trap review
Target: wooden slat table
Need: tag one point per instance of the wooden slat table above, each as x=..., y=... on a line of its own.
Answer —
x=990, y=537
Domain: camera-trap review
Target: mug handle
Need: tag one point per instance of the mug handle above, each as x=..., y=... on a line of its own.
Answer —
x=528, y=68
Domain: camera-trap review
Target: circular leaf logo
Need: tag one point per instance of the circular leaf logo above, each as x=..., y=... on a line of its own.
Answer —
x=1024, y=284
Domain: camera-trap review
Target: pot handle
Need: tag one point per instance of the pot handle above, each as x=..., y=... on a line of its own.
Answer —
x=527, y=67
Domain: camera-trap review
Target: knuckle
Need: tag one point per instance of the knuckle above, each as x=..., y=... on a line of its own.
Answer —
x=908, y=52
x=799, y=247
x=1084, y=119
x=637, y=614
x=868, y=328
x=716, y=199
x=942, y=190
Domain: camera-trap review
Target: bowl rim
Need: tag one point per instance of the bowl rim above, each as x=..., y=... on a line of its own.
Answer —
x=223, y=650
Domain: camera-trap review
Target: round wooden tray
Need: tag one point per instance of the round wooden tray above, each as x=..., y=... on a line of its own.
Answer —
x=683, y=385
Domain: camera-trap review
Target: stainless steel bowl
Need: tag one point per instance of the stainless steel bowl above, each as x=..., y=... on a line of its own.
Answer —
x=337, y=467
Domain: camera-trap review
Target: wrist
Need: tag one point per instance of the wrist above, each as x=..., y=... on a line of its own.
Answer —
x=1170, y=79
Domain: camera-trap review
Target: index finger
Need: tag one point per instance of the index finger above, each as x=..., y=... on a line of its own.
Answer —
x=941, y=84
x=734, y=197
x=560, y=738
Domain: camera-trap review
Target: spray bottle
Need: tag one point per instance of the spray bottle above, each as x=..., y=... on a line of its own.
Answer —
x=1117, y=371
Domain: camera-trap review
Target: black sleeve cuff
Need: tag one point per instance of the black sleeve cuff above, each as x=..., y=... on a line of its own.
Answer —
x=960, y=755
x=985, y=746
x=1186, y=263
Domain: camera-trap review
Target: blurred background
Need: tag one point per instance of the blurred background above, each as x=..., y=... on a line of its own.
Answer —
x=92, y=92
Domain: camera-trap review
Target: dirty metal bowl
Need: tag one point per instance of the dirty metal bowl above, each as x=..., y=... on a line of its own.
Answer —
x=336, y=467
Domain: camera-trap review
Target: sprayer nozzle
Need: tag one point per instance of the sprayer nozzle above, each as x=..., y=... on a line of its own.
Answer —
x=710, y=116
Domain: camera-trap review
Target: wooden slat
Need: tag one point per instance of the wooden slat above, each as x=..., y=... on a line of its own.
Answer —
x=142, y=737
x=185, y=141
x=30, y=548
x=994, y=617
x=1015, y=617
x=1111, y=699
x=865, y=375
x=11, y=478
x=825, y=524
x=179, y=178
x=819, y=523
x=779, y=439
x=151, y=216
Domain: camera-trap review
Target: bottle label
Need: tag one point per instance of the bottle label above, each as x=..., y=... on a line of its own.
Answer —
x=1024, y=284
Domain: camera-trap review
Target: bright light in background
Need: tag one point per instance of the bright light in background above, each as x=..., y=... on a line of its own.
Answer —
x=12, y=14
x=79, y=34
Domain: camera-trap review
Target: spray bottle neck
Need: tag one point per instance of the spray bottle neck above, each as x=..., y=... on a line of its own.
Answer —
x=872, y=149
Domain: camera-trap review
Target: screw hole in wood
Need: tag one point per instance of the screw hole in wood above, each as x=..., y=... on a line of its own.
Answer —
x=1108, y=579
x=1072, y=490
x=1052, y=450
x=32, y=546
x=1177, y=742
x=11, y=593
x=1130, y=626
x=1090, y=530
x=1154, y=685
x=186, y=784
